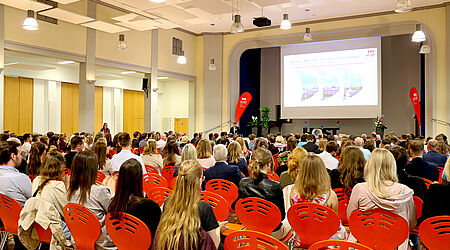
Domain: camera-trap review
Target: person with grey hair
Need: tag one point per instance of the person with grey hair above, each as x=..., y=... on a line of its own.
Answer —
x=432, y=156
x=359, y=143
x=221, y=170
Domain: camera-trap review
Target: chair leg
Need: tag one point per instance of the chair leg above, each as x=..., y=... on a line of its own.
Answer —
x=4, y=240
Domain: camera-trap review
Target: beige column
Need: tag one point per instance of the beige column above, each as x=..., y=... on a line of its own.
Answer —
x=148, y=105
x=154, y=82
x=86, y=121
x=2, y=60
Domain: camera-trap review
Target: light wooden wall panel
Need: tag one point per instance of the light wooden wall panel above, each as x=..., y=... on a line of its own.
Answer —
x=133, y=111
x=98, y=108
x=18, y=105
x=69, y=108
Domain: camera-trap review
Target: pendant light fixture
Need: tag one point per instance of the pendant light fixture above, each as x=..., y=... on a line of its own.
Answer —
x=121, y=44
x=307, y=37
x=285, y=24
x=181, y=58
x=212, y=65
x=425, y=49
x=30, y=22
x=418, y=36
x=403, y=6
x=237, y=26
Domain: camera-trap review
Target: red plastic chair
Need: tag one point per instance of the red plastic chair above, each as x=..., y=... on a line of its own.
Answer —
x=141, y=150
x=224, y=188
x=343, y=200
x=100, y=177
x=441, y=170
x=219, y=205
x=152, y=181
x=116, y=174
x=387, y=230
x=427, y=182
x=112, y=152
x=312, y=222
x=66, y=171
x=129, y=232
x=275, y=162
x=434, y=232
x=418, y=203
x=151, y=169
x=252, y=240
x=83, y=225
x=135, y=151
x=337, y=245
x=159, y=194
x=258, y=215
x=43, y=234
x=9, y=214
x=167, y=173
x=273, y=176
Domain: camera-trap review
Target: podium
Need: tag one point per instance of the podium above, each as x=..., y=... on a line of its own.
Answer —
x=325, y=130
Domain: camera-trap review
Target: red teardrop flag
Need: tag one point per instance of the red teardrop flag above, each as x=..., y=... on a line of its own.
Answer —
x=242, y=104
x=415, y=102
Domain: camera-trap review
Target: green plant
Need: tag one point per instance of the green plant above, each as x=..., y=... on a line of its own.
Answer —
x=265, y=112
x=254, y=122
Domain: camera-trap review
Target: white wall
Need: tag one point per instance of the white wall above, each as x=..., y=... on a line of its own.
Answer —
x=113, y=109
x=173, y=102
x=46, y=106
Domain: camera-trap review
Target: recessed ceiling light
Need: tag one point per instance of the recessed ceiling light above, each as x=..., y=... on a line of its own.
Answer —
x=65, y=62
x=127, y=72
x=157, y=1
x=162, y=77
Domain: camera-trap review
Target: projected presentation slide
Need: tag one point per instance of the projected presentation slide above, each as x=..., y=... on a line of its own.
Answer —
x=335, y=78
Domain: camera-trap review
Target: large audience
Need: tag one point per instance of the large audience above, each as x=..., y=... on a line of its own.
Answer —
x=51, y=171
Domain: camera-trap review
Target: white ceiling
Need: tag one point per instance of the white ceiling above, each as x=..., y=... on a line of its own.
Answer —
x=198, y=15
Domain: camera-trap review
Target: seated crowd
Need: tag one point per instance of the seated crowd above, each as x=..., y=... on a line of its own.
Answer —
x=48, y=171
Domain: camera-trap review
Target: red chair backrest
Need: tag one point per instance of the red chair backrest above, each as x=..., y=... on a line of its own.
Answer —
x=219, y=205
x=159, y=194
x=275, y=162
x=83, y=225
x=135, y=151
x=141, y=150
x=343, y=200
x=112, y=152
x=100, y=177
x=418, y=203
x=273, y=176
x=434, y=232
x=427, y=182
x=153, y=180
x=312, y=222
x=441, y=170
x=252, y=240
x=337, y=245
x=129, y=232
x=258, y=215
x=151, y=169
x=9, y=213
x=66, y=171
x=224, y=188
x=115, y=174
x=44, y=235
x=167, y=172
x=387, y=230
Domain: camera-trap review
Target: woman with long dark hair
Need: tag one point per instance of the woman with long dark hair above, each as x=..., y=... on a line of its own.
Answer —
x=36, y=157
x=104, y=164
x=173, y=153
x=84, y=191
x=130, y=198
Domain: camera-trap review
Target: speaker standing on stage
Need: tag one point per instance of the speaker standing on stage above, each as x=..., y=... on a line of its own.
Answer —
x=234, y=129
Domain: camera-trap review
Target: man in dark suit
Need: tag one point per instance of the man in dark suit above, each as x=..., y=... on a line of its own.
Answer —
x=310, y=146
x=432, y=156
x=234, y=129
x=417, y=166
x=221, y=170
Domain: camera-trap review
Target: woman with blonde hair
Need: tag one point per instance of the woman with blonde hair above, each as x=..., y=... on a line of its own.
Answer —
x=294, y=161
x=150, y=155
x=247, y=153
x=350, y=170
x=322, y=144
x=204, y=154
x=236, y=157
x=382, y=190
x=186, y=222
x=259, y=185
x=313, y=185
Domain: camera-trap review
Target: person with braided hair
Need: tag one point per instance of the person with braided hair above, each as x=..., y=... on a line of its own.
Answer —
x=259, y=185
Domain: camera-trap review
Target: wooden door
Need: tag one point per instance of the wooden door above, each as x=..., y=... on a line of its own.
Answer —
x=133, y=111
x=18, y=105
x=181, y=125
x=69, y=108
